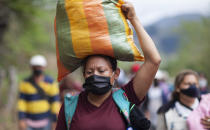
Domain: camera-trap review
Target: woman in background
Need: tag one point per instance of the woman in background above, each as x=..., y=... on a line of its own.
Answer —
x=185, y=98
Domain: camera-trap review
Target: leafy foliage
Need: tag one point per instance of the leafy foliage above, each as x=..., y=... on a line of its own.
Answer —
x=29, y=30
x=194, y=53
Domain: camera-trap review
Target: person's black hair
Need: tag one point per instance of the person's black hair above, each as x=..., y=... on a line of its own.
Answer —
x=170, y=104
x=156, y=82
x=111, y=60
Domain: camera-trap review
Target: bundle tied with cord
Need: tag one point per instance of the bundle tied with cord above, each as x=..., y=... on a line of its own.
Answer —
x=89, y=27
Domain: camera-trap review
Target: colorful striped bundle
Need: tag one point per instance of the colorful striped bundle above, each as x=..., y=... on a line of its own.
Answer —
x=87, y=27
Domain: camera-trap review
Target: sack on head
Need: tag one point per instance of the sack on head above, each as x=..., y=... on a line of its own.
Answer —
x=88, y=27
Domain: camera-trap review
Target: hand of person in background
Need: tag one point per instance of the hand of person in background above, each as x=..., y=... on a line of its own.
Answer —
x=22, y=125
x=206, y=122
x=53, y=125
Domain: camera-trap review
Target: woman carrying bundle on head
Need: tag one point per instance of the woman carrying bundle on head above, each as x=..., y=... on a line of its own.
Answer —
x=98, y=107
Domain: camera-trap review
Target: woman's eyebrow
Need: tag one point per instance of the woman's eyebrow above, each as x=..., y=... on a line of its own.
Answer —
x=89, y=69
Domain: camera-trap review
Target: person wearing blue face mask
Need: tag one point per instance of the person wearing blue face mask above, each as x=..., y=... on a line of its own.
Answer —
x=185, y=99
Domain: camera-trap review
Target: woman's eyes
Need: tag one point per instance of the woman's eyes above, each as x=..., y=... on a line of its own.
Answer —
x=89, y=72
x=190, y=83
x=101, y=71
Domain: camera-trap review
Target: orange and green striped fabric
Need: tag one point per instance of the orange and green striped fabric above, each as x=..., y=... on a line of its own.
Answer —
x=88, y=27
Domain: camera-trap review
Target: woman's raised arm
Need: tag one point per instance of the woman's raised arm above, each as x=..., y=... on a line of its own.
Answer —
x=144, y=77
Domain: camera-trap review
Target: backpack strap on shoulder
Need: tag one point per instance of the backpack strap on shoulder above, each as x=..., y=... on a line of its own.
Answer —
x=70, y=104
x=122, y=102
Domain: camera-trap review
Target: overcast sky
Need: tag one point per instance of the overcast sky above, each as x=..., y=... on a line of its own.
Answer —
x=150, y=11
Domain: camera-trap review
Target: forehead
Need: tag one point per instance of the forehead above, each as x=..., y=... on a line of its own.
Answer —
x=37, y=67
x=97, y=61
x=190, y=78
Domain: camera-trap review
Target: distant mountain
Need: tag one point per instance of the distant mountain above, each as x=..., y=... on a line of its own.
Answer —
x=164, y=33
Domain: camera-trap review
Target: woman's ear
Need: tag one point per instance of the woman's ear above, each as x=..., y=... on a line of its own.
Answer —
x=117, y=73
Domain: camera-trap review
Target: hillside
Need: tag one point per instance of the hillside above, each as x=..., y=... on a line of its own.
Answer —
x=165, y=32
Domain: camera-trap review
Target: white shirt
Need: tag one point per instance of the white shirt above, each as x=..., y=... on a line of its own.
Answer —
x=183, y=110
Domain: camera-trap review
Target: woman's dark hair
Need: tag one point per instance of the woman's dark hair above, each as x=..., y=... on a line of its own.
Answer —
x=175, y=95
x=111, y=60
x=179, y=79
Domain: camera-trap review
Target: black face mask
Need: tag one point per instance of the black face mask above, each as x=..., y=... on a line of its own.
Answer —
x=192, y=91
x=37, y=72
x=98, y=85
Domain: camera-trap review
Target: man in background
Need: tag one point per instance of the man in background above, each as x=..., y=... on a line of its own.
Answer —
x=38, y=101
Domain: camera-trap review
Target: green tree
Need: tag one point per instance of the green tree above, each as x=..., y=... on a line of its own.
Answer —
x=194, y=53
x=26, y=27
